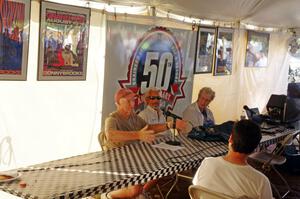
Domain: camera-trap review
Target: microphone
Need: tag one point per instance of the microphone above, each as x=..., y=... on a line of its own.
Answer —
x=170, y=114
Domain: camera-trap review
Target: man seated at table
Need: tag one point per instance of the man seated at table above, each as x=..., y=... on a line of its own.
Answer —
x=231, y=173
x=201, y=120
x=152, y=114
x=198, y=113
x=124, y=126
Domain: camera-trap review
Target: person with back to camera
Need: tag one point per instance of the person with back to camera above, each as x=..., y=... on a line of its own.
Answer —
x=231, y=174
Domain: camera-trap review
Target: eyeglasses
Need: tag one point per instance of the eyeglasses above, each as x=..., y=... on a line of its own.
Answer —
x=154, y=98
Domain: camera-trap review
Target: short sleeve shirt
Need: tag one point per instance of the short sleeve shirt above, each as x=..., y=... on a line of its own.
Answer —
x=115, y=122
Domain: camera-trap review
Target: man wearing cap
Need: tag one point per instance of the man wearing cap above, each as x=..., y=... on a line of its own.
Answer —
x=123, y=127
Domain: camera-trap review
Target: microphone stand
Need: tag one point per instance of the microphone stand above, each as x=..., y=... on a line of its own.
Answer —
x=173, y=141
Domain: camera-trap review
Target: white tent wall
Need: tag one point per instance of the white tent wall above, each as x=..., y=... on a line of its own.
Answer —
x=247, y=85
x=48, y=120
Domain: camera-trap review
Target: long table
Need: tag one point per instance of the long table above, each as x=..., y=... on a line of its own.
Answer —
x=100, y=172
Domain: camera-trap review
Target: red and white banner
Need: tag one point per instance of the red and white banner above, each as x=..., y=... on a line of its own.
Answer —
x=139, y=57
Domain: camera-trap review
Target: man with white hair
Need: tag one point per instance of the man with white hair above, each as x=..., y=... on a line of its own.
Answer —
x=198, y=113
x=152, y=114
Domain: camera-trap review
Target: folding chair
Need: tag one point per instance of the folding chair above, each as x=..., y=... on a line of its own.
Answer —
x=101, y=140
x=199, y=192
x=105, y=145
x=269, y=160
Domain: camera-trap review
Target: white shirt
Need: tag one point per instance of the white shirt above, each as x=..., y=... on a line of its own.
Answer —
x=235, y=180
x=152, y=116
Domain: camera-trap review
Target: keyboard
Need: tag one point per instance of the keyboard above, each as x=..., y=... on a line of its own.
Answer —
x=274, y=130
x=266, y=126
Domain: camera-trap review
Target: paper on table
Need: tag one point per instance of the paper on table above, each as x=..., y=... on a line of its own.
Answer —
x=163, y=145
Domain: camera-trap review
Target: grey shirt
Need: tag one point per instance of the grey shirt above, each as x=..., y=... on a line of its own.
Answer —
x=193, y=115
x=115, y=122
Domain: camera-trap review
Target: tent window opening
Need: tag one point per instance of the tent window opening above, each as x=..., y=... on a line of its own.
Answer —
x=294, y=70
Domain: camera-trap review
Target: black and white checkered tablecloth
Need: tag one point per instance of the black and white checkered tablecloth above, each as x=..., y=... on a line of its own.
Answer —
x=99, y=172
x=268, y=139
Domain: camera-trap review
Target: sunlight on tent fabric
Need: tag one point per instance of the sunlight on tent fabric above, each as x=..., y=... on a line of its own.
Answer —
x=126, y=9
x=71, y=2
x=162, y=13
x=66, y=114
x=253, y=27
x=105, y=6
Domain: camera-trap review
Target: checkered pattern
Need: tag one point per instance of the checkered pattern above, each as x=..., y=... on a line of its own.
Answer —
x=267, y=140
x=100, y=172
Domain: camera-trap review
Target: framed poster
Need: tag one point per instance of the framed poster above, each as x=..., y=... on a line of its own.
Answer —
x=223, y=60
x=257, y=49
x=14, y=36
x=63, y=48
x=205, y=50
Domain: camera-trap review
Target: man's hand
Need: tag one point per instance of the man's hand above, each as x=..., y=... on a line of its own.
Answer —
x=146, y=135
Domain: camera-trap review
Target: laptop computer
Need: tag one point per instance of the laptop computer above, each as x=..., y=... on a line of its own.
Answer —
x=254, y=114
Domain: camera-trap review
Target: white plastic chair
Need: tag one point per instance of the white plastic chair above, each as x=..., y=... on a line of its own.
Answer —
x=199, y=192
x=7, y=156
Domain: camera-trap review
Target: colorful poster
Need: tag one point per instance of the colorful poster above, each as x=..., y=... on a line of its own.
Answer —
x=14, y=24
x=149, y=57
x=64, y=41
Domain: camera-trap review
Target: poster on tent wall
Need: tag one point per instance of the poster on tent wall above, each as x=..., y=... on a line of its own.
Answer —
x=257, y=49
x=63, y=47
x=205, y=50
x=223, y=62
x=140, y=57
x=14, y=22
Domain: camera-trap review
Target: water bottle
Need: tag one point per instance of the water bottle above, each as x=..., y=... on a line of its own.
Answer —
x=243, y=115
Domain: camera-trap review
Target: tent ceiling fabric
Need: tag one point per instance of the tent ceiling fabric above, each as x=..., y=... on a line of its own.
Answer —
x=265, y=13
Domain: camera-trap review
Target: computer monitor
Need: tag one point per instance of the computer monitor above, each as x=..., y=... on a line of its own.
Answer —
x=275, y=107
x=293, y=90
x=292, y=105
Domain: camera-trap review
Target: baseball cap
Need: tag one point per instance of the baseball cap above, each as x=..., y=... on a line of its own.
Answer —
x=124, y=93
